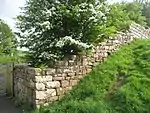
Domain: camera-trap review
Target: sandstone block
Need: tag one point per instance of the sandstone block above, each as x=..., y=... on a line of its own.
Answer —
x=34, y=71
x=64, y=83
x=51, y=99
x=60, y=91
x=40, y=95
x=73, y=82
x=58, y=78
x=38, y=79
x=49, y=71
x=60, y=71
x=71, y=74
x=50, y=91
x=40, y=86
x=53, y=84
x=47, y=78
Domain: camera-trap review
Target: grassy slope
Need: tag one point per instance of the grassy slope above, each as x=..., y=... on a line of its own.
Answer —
x=119, y=85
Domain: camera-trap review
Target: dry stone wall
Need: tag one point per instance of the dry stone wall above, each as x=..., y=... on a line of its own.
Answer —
x=37, y=86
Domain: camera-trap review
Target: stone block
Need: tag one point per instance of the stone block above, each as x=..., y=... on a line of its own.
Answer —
x=59, y=71
x=50, y=91
x=39, y=79
x=73, y=82
x=61, y=64
x=51, y=99
x=34, y=71
x=71, y=74
x=64, y=83
x=40, y=86
x=40, y=95
x=71, y=62
x=48, y=78
x=67, y=78
x=53, y=84
x=49, y=71
x=60, y=91
x=58, y=78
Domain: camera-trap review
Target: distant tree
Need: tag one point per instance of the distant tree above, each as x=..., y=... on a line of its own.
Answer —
x=145, y=10
x=146, y=13
x=134, y=10
x=8, y=40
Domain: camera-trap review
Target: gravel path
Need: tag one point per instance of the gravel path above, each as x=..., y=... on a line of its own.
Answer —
x=6, y=105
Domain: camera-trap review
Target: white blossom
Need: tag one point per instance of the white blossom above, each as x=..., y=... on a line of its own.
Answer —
x=69, y=39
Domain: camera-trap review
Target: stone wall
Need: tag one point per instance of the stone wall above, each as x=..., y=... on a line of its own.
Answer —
x=41, y=86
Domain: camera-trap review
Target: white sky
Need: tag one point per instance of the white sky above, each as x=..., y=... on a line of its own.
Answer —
x=9, y=9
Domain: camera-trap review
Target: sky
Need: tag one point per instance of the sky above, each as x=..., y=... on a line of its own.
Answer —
x=9, y=9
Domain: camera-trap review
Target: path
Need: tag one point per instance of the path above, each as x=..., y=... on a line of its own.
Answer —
x=6, y=105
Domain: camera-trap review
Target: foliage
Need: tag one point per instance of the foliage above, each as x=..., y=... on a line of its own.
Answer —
x=118, y=18
x=54, y=29
x=8, y=40
x=146, y=12
x=122, y=14
x=134, y=10
x=96, y=93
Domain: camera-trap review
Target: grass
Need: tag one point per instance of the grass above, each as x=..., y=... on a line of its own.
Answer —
x=119, y=85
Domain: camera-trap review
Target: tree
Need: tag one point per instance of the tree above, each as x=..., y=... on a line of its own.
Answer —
x=8, y=40
x=146, y=9
x=146, y=13
x=54, y=29
x=134, y=10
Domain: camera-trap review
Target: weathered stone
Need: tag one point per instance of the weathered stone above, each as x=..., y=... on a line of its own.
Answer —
x=68, y=89
x=39, y=102
x=67, y=78
x=39, y=79
x=71, y=62
x=61, y=63
x=64, y=83
x=73, y=82
x=53, y=84
x=59, y=71
x=40, y=95
x=48, y=78
x=31, y=84
x=53, y=94
x=89, y=70
x=50, y=91
x=71, y=74
x=34, y=71
x=40, y=86
x=60, y=91
x=49, y=71
x=54, y=98
x=58, y=78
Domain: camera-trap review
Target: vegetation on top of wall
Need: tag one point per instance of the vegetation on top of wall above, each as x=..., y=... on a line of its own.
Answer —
x=119, y=85
x=52, y=30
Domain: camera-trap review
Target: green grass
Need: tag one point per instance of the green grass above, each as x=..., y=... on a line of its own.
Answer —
x=119, y=85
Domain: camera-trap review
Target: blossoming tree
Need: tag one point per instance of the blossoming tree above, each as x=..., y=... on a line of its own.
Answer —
x=53, y=29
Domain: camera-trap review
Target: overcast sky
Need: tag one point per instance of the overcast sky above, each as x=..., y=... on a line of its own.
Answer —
x=10, y=8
